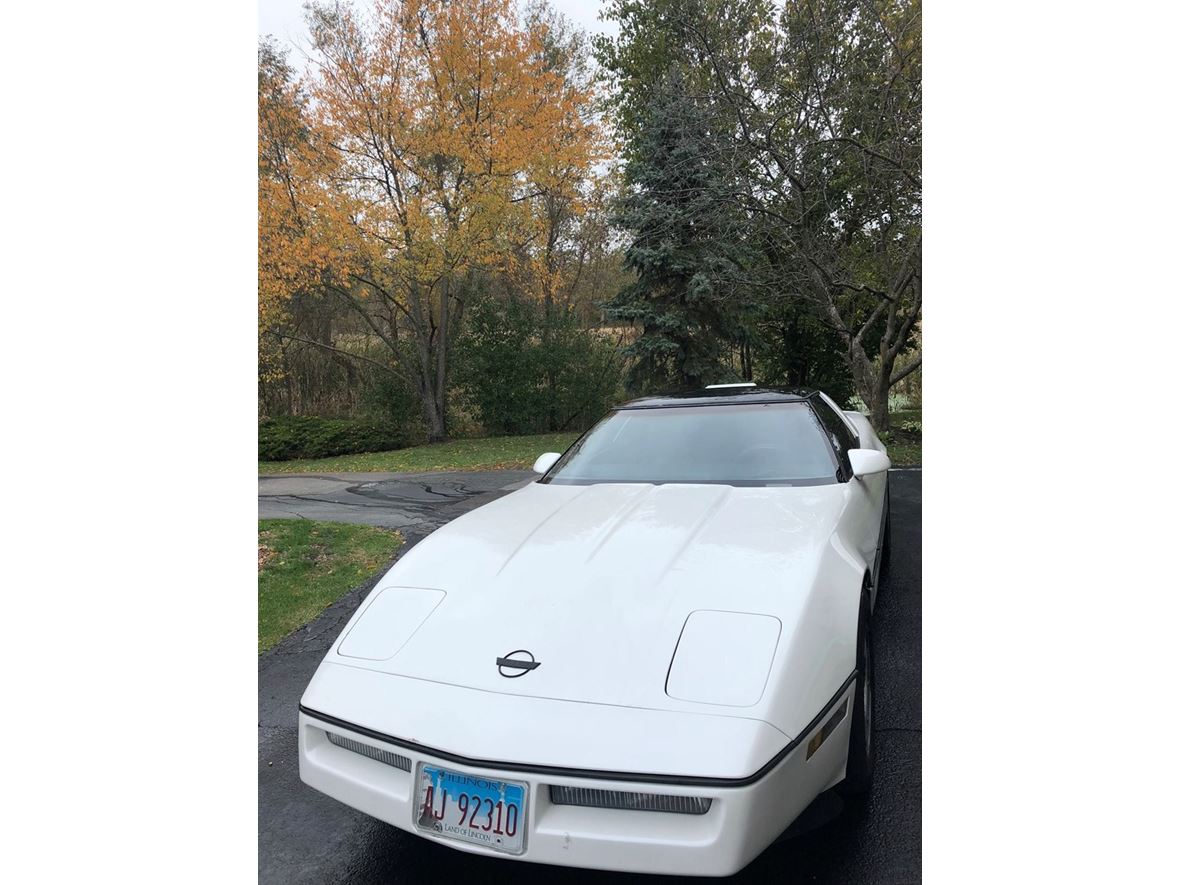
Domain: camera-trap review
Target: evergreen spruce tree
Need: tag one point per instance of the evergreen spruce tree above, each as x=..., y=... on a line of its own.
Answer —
x=687, y=250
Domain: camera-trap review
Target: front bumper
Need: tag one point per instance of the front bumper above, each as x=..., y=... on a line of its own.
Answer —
x=741, y=822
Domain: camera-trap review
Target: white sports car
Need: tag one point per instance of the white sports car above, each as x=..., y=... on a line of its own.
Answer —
x=651, y=659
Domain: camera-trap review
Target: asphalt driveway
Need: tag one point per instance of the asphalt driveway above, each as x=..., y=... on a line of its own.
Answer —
x=417, y=502
x=305, y=837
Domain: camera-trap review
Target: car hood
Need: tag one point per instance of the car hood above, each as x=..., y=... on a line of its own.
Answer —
x=596, y=583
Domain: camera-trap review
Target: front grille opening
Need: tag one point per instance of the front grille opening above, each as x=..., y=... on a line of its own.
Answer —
x=394, y=759
x=594, y=798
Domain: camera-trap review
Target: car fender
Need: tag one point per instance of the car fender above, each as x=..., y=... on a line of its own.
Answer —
x=817, y=652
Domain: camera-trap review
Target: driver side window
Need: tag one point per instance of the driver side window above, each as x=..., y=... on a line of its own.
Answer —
x=842, y=418
x=837, y=431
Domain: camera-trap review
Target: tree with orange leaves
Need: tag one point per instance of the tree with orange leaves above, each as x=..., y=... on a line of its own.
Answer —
x=291, y=259
x=433, y=133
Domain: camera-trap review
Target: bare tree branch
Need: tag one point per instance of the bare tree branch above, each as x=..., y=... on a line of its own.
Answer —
x=356, y=356
x=916, y=364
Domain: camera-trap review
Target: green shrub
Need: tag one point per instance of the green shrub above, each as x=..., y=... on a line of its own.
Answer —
x=797, y=348
x=283, y=439
x=524, y=373
x=387, y=399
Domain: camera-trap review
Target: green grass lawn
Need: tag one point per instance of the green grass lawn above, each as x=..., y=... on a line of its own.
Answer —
x=304, y=566
x=905, y=446
x=497, y=452
x=904, y=451
x=519, y=452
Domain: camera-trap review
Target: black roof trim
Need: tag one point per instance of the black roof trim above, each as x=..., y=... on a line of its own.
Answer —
x=719, y=397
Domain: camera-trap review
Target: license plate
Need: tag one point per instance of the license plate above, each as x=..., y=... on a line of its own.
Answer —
x=471, y=808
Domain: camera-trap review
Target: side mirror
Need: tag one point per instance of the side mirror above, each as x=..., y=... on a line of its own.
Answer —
x=867, y=461
x=542, y=464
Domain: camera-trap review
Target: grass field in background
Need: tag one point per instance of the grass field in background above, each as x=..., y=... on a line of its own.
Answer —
x=519, y=452
x=304, y=566
x=904, y=451
x=490, y=453
x=904, y=445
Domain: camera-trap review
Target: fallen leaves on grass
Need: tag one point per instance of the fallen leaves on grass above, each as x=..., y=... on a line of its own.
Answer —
x=490, y=453
x=305, y=565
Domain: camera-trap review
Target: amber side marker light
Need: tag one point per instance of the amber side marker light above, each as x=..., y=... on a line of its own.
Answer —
x=822, y=735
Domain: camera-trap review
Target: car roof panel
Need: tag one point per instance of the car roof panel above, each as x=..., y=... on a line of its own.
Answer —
x=719, y=397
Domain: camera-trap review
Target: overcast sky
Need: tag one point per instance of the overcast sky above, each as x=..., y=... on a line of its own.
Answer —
x=284, y=20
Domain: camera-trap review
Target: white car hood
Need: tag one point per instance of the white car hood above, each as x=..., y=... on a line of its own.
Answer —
x=597, y=581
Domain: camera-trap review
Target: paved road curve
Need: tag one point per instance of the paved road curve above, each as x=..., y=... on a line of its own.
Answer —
x=419, y=502
x=305, y=837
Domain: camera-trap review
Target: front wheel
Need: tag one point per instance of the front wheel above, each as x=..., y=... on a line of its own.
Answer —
x=861, y=748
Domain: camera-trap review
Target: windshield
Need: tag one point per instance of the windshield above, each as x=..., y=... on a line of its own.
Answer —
x=763, y=444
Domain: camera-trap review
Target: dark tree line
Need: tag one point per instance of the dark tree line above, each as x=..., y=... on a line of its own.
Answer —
x=763, y=221
x=772, y=190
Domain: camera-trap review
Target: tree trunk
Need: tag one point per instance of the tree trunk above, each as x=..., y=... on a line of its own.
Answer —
x=438, y=427
x=872, y=385
x=871, y=382
x=436, y=424
x=550, y=369
x=431, y=367
x=434, y=406
x=554, y=214
x=879, y=405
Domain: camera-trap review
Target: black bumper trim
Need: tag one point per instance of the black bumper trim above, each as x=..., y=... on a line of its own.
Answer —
x=594, y=774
